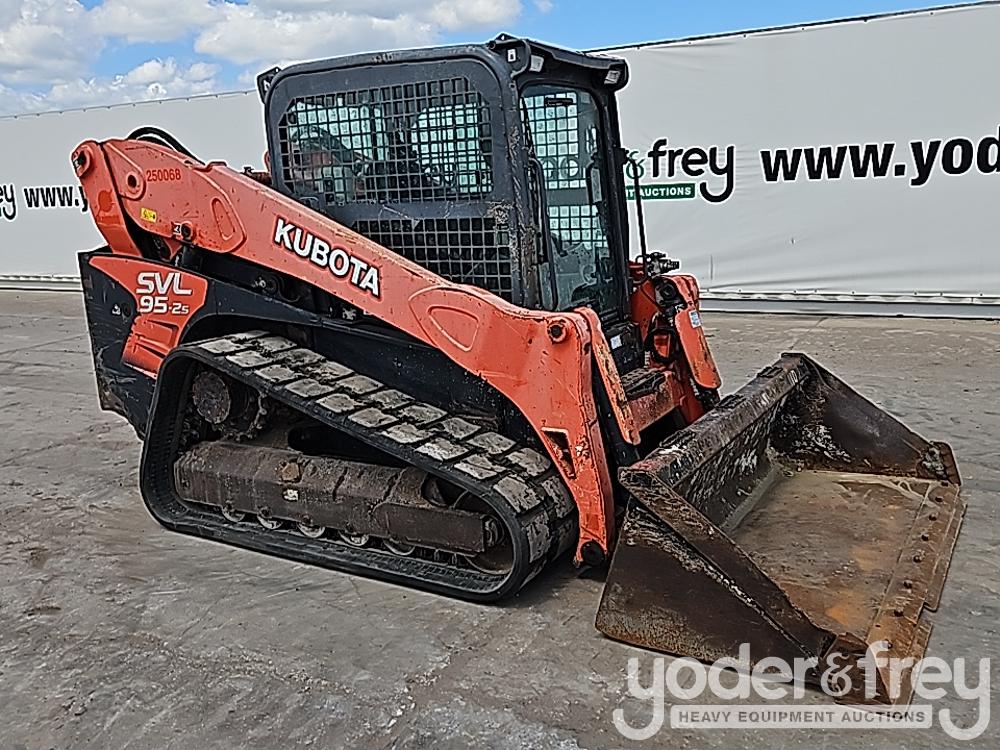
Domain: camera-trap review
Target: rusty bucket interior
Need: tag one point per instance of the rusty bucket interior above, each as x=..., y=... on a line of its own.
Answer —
x=796, y=517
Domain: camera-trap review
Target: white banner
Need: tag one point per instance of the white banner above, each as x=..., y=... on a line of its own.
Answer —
x=856, y=161
x=44, y=219
x=849, y=160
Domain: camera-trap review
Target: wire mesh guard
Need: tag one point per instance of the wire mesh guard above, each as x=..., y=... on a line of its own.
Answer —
x=562, y=146
x=427, y=141
x=564, y=124
x=470, y=251
x=423, y=142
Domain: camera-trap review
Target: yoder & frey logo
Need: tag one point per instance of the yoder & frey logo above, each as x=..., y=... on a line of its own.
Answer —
x=692, y=172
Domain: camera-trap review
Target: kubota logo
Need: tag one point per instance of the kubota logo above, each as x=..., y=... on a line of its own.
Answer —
x=334, y=258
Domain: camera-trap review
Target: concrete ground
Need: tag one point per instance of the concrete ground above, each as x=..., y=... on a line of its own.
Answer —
x=117, y=633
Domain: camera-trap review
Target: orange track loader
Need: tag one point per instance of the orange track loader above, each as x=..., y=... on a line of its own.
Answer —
x=416, y=349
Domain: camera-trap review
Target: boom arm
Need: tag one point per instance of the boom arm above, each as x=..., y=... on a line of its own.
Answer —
x=541, y=361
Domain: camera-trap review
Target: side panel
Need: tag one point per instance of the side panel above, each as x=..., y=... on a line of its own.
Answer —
x=110, y=309
x=125, y=382
x=164, y=301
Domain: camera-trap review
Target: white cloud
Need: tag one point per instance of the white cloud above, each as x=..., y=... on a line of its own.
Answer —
x=151, y=20
x=470, y=14
x=153, y=79
x=278, y=30
x=49, y=47
x=44, y=40
x=247, y=34
x=478, y=12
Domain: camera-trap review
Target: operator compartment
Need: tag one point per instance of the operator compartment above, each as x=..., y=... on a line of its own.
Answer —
x=516, y=189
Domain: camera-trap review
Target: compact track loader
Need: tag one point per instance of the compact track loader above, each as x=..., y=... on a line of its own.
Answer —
x=416, y=349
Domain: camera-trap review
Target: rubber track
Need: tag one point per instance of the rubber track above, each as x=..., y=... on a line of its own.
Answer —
x=521, y=484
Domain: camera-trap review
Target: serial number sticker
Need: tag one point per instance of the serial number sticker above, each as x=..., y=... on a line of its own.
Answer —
x=171, y=174
x=147, y=214
x=695, y=318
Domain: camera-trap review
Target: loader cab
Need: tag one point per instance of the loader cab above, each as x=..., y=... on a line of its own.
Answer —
x=497, y=165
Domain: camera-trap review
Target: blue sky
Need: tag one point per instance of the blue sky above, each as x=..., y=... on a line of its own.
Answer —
x=58, y=54
x=589, y=23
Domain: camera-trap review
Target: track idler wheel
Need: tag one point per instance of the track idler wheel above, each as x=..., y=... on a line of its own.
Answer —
x=268, y=522
x=354, y=540
x=399, y=548
x=313, y=532
x=233, y=407
x=231, y=514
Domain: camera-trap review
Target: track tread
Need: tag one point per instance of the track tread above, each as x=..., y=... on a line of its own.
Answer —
x=490, y=465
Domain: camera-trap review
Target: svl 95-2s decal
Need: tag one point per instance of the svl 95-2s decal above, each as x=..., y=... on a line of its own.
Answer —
x=166, y=299
x=159, y=292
